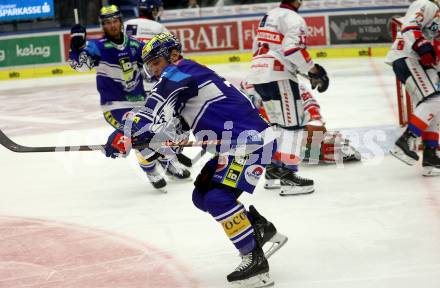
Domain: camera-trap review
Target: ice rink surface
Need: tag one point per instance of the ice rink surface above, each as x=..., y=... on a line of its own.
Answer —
x=82, y=220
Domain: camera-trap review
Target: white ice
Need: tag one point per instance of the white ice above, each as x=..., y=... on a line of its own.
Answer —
x=371, y=224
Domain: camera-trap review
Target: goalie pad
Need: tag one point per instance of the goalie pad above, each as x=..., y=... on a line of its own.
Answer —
x=328, y=147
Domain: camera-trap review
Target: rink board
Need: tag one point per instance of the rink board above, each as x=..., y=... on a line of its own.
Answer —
x=206, y=59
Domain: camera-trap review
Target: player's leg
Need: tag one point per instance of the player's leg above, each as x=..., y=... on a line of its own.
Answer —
x=421, y=83
x=174, y=169
x=285, y=166
x=154, y=175
x=281, y=101
x=430, y=138
x=216, y=192
x=115, y=118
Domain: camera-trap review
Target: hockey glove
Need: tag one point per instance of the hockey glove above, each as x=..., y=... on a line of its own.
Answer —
x=426, y=52
x=78, y=36
x=117, y=145
x=319, y=79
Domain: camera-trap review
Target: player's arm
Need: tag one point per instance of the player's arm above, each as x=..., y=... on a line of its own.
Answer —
x=156, y=123
x=295, y=50
x=83, y=55
x=294, y=45
x=167, y=128
x=412, y=34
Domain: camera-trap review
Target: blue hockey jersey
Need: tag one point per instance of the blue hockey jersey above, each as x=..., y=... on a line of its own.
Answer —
x=206, y=101
x=118, y=70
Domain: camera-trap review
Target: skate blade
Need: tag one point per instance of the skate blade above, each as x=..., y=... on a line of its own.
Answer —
x=296, y=190
x=258, y=281
x=431, y=171
x=177, y=179
x=276, y=242
x=162, y=190
x=272, y=184
x=399, y=154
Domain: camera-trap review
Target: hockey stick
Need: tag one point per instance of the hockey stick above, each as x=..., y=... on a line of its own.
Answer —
x=188, y=162
x=305, y=76
x=11, y=145
x=75, y=13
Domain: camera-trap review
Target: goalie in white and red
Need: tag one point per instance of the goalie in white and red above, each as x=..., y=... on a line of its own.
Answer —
x=321, y=145
x=416, y=64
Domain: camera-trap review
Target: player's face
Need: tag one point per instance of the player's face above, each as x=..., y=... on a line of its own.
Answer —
x=112, y=27
x=155, y=12
x=155, y=67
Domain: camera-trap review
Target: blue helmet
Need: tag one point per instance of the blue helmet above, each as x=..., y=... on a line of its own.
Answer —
x=149, y=5
x=161, y=45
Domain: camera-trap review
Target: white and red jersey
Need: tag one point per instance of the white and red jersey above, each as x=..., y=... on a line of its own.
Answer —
x=143, y=29
x=279, y=48
x=420, y=23
x=308, y=110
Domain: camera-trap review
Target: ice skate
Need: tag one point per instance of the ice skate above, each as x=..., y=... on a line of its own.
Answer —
x=272, y=177
x=253, y=271
x=431, y=162
x=176, y=170
x=404, y=149
x=157, y=180
x=292, y=184
x=267, y=232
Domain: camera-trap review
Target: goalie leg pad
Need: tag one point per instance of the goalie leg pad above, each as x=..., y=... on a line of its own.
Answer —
x=334, y=148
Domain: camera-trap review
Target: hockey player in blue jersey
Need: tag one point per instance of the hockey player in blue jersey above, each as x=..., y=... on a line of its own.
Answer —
x=211, y=108
x=118, y=63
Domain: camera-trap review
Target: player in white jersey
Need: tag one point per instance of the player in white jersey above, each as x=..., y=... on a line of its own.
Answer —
x=416, y=64
x=145, y=26
x=279, y=54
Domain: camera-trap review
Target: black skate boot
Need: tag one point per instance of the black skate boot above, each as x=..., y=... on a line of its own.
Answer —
x=431, y=162
x=175, y=169
x=292, y=184
x=157, y=180
x=272, y=177
x=253, y=271
x=266, y=232
x=403, y=148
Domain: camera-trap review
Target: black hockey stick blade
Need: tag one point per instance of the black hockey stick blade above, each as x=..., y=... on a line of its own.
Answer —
x=188, y=162
x=11, y=145
x=184, y=160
